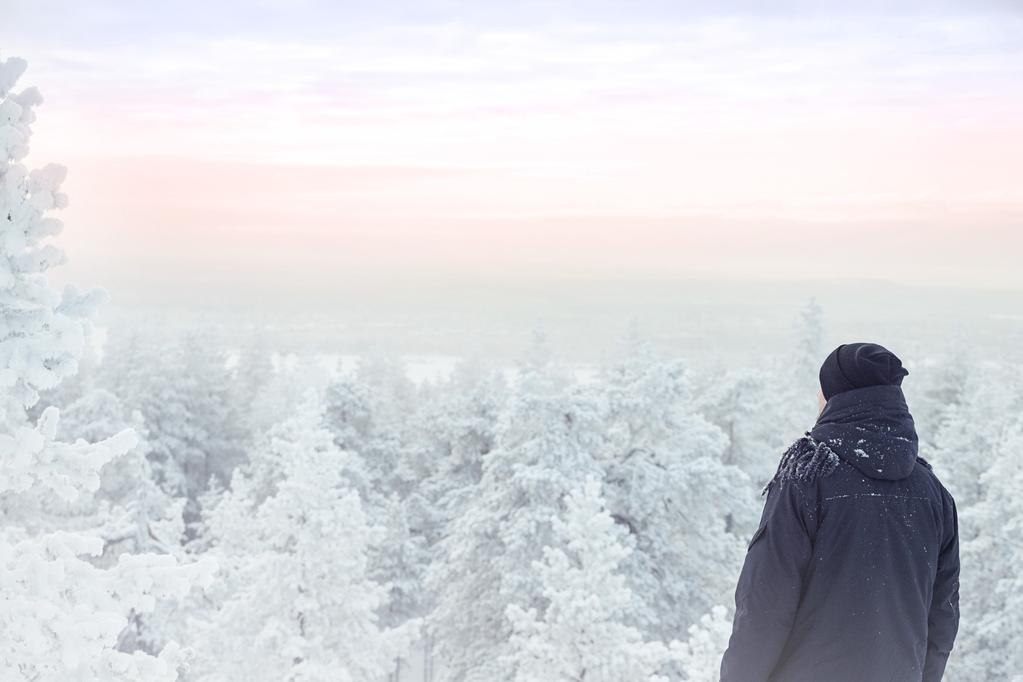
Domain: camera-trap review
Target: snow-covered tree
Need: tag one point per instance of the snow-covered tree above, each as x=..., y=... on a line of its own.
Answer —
x=252, y=371
x=966, y=443
x=354, y=414
x=297, y=601
x=579, y=633
x=743, y=403
x=359, y=418
x=130, y=512
x=71, y=389
x=939, y=385
x=456, y=428
x=991, y=631
x=809, y=351
x=60, y=616
x=457, y=425
x=144, y=518
x=183, y=390
x=291, y=378
x=993, y=617
x=687, y=511
x=798, y=372
x=547, y=437
x=212, y=433
x=699, y=657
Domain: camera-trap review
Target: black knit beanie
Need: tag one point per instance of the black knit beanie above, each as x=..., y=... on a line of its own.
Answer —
x=857, y=365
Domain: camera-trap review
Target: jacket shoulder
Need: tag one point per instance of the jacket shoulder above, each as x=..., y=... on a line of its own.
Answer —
x=926, y=471
x=805, y=461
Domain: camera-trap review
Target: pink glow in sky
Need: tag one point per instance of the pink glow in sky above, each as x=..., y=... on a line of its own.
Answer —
x=262, y=140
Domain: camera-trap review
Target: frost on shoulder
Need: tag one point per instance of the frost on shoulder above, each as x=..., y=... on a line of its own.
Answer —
x=807, y=459
x=61, y=615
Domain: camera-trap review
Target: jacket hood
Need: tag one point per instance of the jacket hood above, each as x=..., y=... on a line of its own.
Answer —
x=871, y=429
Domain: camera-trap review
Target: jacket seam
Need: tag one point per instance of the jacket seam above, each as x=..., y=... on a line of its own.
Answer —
x=860, y=495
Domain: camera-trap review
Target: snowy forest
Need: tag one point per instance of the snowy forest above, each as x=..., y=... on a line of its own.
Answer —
x=197, y=505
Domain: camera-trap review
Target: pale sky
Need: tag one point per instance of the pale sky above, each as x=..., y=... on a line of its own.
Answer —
x=256, y=143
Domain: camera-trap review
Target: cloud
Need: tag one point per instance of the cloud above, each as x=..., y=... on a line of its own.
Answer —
x=232, y=118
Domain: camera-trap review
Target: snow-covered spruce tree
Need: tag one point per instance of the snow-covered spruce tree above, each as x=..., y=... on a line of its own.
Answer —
x=282, y=392
x=380, y=414
x=250, y=375
x=137, y=370
x=578, y=633
x=809, y=351
x=456, y=425
x=350, y=416
x=547, y=437
x=359, y=417
x=128, y=510
x=797, y=375
x=296, y=601
x=938, y=386
x=686, y=511
x=990, y=527
x=72, y=388
x=966, y=443
x=60, y=615
x=137, y=516
x=743, y=403
x=975, y=449
x=699, y=657
x=182, y=388
x=992, y=628
x=213, y=435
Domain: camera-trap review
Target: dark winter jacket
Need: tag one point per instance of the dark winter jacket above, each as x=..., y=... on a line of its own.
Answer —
x=853, y=574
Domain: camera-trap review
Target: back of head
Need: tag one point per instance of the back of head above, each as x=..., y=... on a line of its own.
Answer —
x=858, y=365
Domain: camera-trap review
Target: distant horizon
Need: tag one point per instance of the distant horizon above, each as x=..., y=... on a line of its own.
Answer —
x=226, y=288
x=586, y=319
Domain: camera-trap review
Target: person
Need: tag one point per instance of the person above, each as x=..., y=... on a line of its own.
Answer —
x=853, y=573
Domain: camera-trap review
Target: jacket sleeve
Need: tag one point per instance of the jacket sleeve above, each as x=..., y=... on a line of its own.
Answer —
x=771, y=582
x=943, y=619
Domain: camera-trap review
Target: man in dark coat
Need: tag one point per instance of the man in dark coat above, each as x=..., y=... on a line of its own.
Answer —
x=853, y=574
